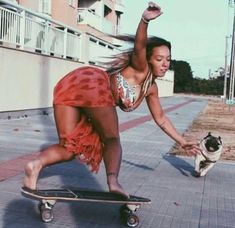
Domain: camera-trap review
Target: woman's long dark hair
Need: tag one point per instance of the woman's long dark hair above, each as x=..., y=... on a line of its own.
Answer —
x=122, y=60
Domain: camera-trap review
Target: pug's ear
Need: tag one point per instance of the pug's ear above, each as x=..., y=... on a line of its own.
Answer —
x=208, y=135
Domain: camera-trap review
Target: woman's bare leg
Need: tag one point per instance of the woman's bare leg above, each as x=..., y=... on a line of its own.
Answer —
x=105, y=121
x=66, y=119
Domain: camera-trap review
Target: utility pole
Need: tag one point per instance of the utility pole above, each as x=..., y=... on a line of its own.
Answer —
x=209, y=73
x=226, y=67
x=232, y=65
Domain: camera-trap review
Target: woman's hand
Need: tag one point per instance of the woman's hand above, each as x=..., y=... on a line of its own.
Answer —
x=153, y=11
x=191, y=148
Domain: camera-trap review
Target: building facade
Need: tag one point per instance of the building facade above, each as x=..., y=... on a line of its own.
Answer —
x=49, y=38
x=91, y=16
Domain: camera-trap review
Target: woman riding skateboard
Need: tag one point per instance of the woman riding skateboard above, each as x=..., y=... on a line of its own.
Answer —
x=85, y=103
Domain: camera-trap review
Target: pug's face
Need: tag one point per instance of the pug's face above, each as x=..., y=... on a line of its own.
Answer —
x=212, y=143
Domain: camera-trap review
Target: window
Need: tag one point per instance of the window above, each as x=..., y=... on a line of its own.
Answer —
x=72, y=3
x=45, y=6
x=107, y=10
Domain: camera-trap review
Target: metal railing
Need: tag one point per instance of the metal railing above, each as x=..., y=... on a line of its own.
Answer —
x=96, y=53
x=10, y=24
x=87, y=16
x=24, y=29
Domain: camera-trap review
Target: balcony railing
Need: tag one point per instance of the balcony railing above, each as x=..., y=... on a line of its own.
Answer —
x=88, y=17
x=27, y=30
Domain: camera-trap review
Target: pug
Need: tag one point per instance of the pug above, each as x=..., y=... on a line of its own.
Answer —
x=211, y=149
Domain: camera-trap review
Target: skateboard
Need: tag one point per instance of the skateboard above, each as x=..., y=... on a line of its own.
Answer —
x=47, y=199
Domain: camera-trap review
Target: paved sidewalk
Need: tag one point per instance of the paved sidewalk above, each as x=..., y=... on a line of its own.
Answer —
x=178, y=198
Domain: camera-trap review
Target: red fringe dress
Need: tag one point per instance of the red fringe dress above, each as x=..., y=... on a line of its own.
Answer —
x=89, y=87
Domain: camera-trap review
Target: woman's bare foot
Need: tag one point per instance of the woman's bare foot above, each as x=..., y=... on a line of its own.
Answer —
x=118, y=189
x=32, y=170
x=115, y=187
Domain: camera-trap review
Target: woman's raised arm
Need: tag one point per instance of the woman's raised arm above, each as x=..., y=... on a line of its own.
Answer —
x=138, y=58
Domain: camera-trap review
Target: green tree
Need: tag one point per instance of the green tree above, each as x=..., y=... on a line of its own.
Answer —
x=185, y=83
x=183, y=76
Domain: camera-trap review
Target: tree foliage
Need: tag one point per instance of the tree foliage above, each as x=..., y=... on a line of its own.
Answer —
x=185, y=83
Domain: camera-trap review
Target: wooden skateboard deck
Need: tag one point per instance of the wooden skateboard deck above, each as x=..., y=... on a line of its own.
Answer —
x=48, y=198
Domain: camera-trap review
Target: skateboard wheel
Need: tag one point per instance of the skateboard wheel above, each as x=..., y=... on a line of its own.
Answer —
x=45, y=211
x=47, y=215
x=128, y=218
x=132, y=220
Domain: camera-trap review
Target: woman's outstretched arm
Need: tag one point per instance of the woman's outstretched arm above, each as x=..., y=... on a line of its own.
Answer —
x=191, y=148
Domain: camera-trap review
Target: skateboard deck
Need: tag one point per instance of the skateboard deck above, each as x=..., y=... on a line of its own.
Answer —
x=48, y=197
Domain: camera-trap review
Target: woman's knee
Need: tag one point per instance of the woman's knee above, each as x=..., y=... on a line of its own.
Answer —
x=111, y=139
x=67, y=155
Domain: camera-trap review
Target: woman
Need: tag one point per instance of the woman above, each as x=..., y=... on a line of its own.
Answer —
x=85, y=103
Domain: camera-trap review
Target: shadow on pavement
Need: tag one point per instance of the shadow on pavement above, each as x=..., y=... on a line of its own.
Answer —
x=21, y=213
x=145, y=167
x=180, y=164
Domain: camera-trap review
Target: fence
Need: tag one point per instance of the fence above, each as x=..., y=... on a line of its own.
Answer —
x=27, y=30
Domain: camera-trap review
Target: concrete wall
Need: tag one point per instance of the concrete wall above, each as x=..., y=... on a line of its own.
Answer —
x=166, y=84
x=63, y=12
x=27, y=79
x=33, y=5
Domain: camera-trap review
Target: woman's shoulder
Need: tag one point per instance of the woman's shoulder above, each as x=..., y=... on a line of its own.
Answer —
x=153, y=89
